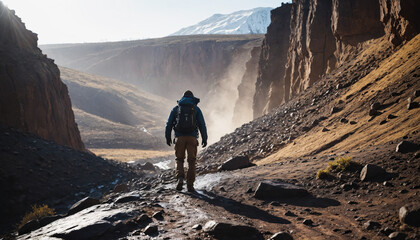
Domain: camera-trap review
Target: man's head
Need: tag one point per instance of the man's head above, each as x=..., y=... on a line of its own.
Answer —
x=188, y=93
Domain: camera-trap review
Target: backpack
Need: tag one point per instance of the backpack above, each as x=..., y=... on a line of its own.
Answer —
x=185, y=119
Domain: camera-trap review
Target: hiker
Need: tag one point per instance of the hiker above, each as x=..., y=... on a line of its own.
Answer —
x=186, y=119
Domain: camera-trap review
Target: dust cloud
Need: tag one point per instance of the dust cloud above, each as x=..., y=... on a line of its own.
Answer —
x=221, y=99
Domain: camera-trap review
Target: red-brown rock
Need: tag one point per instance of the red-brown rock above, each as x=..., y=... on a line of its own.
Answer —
x=32, y=96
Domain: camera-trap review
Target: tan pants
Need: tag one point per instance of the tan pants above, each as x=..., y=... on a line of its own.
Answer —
x=190, y=144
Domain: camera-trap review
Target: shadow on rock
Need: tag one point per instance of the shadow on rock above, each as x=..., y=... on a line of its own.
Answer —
x=235, y=207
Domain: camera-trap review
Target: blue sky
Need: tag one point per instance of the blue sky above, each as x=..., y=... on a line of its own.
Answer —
x=73, y=21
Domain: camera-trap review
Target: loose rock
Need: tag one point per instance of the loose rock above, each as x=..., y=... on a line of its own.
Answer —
x=231, y=231
x=397, y=236
x=406, y=147
x=83, y=204
x=371, y=172
x=369, y=225
x=197, y=227
x=281, y=236
x=275, y=189
x=150, y=230
x=128, y=198
x=308, y=222
x=410, y=214
x=236, y=163
x=158, y=215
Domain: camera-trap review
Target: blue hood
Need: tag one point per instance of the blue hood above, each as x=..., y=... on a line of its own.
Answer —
x=188, y=101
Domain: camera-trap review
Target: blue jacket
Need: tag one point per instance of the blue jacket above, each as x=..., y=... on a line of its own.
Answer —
x=198, y=116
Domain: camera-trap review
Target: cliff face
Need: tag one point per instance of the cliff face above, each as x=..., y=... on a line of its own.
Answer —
x=400, y=18
x=323, y=35
x=32, y=96
x=272, y=61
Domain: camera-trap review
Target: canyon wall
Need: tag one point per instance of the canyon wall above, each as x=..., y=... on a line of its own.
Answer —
x=321, y=36
x=272, y=61
x=212, y=66
x=246, y=89
x=165, y=67
x=32, y=96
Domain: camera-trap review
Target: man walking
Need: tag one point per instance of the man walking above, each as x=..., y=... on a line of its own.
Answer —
x=186, y=119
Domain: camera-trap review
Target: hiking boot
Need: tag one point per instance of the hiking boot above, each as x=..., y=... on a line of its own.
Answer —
x=190, y=188
x=179, y=184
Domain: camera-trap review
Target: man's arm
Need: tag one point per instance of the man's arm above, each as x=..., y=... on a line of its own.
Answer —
x=170, y=125
x=202, y=125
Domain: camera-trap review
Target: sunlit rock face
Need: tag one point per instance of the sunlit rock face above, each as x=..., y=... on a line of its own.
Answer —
x=321, y=36
x=32, y=96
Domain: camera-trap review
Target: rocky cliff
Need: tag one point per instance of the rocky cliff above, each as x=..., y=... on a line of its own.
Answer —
x=321, y=36
x=32, y=96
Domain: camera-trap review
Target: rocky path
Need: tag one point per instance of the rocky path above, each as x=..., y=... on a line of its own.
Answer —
x=225, y=206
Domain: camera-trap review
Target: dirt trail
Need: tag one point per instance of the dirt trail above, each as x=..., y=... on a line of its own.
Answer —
x=336, y=213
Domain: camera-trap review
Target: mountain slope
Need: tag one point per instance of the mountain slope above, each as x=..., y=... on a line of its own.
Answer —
x=113, y=114
x=253, y=21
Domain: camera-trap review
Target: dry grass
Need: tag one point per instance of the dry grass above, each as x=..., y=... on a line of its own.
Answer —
x=340, y=164
x=127, y=155
x=37, y=212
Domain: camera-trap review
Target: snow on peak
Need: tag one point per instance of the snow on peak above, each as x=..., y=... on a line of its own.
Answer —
x=253, y=21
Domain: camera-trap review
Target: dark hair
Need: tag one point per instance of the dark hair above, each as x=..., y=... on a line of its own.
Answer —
x=188, y=93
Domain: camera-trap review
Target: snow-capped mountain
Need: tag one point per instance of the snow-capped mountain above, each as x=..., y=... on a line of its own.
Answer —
x=253, y=21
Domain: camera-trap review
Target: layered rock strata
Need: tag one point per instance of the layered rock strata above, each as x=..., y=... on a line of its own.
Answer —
x=321, y=36
x=32, y=96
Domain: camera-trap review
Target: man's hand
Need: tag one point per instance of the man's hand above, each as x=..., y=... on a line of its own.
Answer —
x=168, y=141
x=204, y=143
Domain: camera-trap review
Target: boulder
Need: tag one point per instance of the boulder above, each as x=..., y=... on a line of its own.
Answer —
x=406, y=147
x=372, y=172
x=236, y=163
x=275, y=189
x=223, y=230
x=83, y=204
x=29, y=227
x=281, y=236
x=410, y=214
x=133, y=196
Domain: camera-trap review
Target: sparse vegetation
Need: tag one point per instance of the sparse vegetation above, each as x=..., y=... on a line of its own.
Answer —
x=323, y=174
x=340, y=164
x=37, y=212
